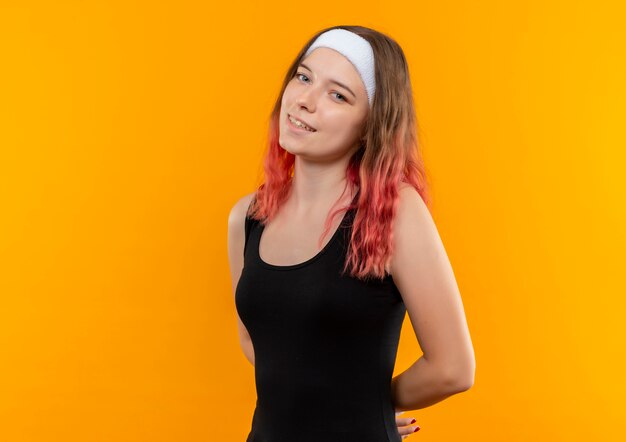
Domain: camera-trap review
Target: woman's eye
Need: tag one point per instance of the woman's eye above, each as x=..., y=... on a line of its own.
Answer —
x=299, y=75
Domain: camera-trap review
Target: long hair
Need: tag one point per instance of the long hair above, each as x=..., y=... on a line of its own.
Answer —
x=389, y=155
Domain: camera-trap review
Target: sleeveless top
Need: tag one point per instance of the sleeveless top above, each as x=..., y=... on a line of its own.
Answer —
x=324, y=345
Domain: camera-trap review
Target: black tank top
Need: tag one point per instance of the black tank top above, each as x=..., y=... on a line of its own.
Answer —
x=324, y=344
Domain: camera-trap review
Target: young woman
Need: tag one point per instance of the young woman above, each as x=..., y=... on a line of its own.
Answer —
x=321, y=299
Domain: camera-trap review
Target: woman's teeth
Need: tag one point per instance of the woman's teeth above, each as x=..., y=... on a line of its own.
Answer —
x=299, y=124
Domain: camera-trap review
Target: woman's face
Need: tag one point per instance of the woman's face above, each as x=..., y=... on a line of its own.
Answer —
x=337, y=112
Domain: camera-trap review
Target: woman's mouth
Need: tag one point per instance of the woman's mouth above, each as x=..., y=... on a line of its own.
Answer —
x=298, y=125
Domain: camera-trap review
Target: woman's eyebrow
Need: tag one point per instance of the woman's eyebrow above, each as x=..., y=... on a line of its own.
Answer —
x=331, y=80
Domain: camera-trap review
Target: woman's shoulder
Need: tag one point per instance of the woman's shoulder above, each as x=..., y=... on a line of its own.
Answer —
x=239, y=211
x=412, y=211
x=413, y=226
x=409, y=196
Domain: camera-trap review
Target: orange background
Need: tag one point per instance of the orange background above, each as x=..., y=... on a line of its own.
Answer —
x=130, y=128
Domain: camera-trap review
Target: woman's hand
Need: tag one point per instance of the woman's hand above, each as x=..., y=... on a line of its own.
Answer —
x=404, y=425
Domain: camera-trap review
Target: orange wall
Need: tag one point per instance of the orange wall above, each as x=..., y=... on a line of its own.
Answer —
x=129, y=129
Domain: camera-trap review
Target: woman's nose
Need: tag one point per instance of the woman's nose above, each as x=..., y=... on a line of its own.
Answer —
x=307, y=99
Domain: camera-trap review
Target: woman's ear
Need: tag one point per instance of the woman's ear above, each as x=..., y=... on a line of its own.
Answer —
x=362, y=135
x=364, y=132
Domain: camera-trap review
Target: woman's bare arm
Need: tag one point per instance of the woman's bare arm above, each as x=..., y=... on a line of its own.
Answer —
x=236, y=241
x=424, y=276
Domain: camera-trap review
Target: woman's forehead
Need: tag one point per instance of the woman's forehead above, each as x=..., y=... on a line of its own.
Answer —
x=331, y=65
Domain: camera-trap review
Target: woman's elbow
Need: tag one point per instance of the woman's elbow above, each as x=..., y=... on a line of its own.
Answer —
x=461, y=378
x=464, y=384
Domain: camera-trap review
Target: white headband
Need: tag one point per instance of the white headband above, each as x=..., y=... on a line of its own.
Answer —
x=356, y=49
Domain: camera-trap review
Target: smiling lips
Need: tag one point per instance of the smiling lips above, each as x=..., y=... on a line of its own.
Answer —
x=300, y=124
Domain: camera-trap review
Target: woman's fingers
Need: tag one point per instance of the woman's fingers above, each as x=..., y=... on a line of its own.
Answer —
x=402, y=421
x=406, y=426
